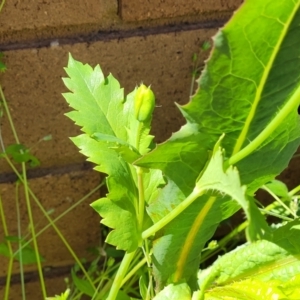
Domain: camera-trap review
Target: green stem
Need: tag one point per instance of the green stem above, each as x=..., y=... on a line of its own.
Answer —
x=20, y=242
x=141, y=203
x=11, y=123
x=11, y=255
x=279, y=201
x=52, y=224
x=294, y=191
x=196, y=193
x=133, y=270
x=291, y=105
x=1, y=5
x=63, y=214
x=150, y=292
x=120, y=275
x=35, y=245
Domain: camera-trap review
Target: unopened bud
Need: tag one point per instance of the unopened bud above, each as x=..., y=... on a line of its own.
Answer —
x=144, y=103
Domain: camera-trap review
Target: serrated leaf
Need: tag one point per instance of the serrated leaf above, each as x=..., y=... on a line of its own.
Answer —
x=228, y=183
x=271, y=260
x=103, y=113
x=126, y=151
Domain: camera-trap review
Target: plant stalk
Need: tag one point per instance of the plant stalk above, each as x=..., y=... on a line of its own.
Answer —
x=291, y=105
x=11, y=257
x=196, y=193
x=120, y=275
x=67, y=245
x=35, y=245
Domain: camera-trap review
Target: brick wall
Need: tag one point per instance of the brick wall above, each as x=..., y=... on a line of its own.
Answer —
x=149, y=41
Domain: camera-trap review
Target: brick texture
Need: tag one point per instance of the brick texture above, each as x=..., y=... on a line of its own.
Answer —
x=37, y=107
x=35, y=19
x=80, y=227
x=148, y=10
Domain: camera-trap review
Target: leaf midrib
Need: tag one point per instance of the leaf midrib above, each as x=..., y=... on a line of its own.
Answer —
x=243, y=135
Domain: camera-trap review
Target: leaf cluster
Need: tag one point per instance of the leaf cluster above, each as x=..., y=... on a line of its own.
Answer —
x=242, y=128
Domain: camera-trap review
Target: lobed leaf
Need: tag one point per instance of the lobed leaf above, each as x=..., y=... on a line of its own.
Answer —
x=112, y=139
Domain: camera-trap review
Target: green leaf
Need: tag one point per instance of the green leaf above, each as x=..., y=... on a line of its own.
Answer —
x=63, y=296
x=274, y=260
x=82, y=285
x=2, y=65
x=249, y=91
x=106, y=116
x=257, y=289
x=244, y=94
x=27, y=255
x=21, y=154
x=177, y=247
x=143, y=286
x=174, y=292
x=126, y=151
x=278, y=188
x=228, y=183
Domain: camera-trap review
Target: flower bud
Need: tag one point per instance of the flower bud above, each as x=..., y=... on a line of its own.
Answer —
x=144, y=103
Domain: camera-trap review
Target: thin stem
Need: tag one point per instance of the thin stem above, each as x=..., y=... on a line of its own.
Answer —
x=279, y=201
x=64, y=213
x=1, y=141
x=52, y=224
x=294, y=191
x=35, y=245
x=11, y=256
x=196, y=193
x=291, y=105
x=19, y=242
x=11, y=123
x=133, y=270
x=269, y=213
x=150, y=291
x=120, y=275
x=1, y=5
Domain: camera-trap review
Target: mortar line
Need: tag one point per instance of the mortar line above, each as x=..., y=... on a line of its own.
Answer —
x=10, y=177
x=103, y=35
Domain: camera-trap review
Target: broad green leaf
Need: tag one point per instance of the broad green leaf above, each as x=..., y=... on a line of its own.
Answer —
x=275, y=259
x=249, y=91
x=257, y=289
x=251, y=79
x=174, y=292
x=176, y=254
x=112, y=139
